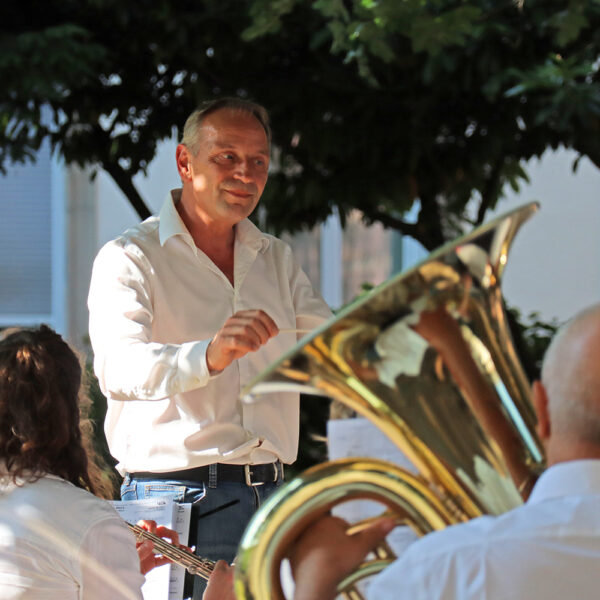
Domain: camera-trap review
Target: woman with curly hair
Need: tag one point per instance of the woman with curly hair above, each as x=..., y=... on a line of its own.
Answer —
x=57, y=540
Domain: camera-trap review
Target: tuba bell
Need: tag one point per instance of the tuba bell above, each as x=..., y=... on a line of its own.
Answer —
x=428, y=358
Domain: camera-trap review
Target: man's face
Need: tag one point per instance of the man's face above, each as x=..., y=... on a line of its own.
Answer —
x=228, y=174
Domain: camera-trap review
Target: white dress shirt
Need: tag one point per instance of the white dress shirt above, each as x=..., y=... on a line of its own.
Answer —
x=155, y=303
x=547, y=549
x=59, y=542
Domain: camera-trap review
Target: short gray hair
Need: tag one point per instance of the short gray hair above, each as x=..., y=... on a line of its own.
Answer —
x=194, y=121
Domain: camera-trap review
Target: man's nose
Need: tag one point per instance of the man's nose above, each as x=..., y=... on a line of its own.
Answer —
x=243, y=172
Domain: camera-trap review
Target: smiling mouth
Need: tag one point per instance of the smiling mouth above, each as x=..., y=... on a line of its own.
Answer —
x=240, y=194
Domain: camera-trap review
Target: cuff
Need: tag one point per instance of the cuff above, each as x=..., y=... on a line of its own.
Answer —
x=191, y=365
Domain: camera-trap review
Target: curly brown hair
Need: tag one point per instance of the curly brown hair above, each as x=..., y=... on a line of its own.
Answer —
x=44, y=427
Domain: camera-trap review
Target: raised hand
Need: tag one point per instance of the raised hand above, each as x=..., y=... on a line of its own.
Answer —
x=245, y=331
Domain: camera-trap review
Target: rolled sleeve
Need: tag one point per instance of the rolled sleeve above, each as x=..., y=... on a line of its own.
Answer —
x=310, y=308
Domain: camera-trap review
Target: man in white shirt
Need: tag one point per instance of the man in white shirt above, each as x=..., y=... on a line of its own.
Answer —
x=185, y=309
x=549, y=548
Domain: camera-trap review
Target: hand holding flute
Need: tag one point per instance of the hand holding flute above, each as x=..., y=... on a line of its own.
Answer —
x=154, y=550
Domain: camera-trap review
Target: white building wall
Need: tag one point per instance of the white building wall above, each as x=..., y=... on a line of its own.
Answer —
x=554, y=265
x=114, y=214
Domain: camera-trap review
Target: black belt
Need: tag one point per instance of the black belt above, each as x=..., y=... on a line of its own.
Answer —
x=248, y=474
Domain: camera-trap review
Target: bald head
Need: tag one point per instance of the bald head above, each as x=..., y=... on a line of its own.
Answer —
x=571, y=378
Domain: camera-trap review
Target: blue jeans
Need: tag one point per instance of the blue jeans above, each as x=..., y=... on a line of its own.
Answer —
x=216, y=536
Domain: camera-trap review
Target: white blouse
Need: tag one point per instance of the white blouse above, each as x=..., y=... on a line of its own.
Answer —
x=59, y=542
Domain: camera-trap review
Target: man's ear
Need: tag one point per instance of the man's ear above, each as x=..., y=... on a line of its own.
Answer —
x=182, y=156
x=540, y=403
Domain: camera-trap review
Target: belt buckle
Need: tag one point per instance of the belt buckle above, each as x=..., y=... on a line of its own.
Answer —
x=248, y=477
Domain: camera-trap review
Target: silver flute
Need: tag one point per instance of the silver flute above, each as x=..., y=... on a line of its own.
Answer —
x=202, y=567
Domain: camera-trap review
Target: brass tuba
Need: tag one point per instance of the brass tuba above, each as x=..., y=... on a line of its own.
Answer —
x=429, y=359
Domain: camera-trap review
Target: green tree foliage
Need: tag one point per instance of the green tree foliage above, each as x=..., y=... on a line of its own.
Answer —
x=451, y=97
x=376, y=103
x=532, y=336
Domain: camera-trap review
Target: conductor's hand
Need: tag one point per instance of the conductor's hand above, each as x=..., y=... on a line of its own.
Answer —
x=245, y=331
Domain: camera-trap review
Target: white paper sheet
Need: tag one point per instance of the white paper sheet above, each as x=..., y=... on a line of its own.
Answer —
x=164, y=582
x=359, y=437
x=181, y=514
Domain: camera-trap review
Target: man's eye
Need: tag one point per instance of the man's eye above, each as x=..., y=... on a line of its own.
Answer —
x=225, y=157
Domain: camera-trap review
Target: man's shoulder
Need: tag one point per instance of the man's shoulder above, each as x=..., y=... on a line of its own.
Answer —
x=142, y=234
x=464, y=535
x=474, y=536
x=505, y=531
x=139, y=240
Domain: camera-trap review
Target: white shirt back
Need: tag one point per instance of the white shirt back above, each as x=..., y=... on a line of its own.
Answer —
x=548, y=549
x=59, y=542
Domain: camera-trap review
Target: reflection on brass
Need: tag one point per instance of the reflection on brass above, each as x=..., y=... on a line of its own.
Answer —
x=428, y=358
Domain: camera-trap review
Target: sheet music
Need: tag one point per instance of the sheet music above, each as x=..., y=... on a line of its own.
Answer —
x=359, y=437
x=165, y=582
x=181, y=514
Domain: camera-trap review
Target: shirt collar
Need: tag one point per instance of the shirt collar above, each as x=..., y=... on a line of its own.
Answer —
x=171, y=224
x=248, y=234
x=576, y=477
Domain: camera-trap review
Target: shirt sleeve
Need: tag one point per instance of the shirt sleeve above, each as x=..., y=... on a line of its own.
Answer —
x=130, y=366
x=311, y=310
x=110, y=567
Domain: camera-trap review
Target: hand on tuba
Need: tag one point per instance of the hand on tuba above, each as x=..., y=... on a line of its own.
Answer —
x=220, y=583
x=320, y=545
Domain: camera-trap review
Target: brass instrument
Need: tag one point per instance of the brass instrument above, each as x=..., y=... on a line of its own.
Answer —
x=429, y=359
x=202, y=567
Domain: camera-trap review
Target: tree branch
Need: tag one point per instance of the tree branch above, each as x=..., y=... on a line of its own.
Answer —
x=490, y=193
x=125, y=183
x=430, y=223
x=391, y=222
